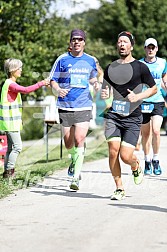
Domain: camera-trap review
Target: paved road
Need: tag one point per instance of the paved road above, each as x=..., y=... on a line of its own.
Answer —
x=51, y=218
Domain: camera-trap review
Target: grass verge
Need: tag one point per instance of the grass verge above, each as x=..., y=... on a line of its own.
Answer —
x=32, y=166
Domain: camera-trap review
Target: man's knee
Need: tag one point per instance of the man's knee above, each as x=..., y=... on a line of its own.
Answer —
x=156, y=132
x=125, y=158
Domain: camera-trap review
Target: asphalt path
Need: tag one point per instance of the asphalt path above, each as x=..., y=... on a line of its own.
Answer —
x=51, y=218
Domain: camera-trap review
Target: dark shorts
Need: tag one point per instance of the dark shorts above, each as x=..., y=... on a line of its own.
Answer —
x=157, y=110
x=125, y=128
x=70, y=118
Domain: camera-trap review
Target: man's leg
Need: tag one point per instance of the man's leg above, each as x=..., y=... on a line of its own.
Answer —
x=146, y=130
x=113, y=137
x=69, y=135
x=115, y=168
x=81, y=130
x=146, y=138
x=128, y=157
x=156, y=127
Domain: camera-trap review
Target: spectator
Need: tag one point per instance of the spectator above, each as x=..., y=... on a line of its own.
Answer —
x=11, y=112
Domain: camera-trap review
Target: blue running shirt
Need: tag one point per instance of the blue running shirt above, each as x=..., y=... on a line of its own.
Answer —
x=157, y=69
x=74, y=73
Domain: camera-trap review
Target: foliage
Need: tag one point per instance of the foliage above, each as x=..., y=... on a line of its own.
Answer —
x=19, y=33
x=142, y=18
x=32, y=32
x=29, y=37
x=38, y=36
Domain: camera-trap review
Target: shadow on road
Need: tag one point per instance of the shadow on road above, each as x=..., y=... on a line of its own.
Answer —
x=69, y=193
x=141, y=207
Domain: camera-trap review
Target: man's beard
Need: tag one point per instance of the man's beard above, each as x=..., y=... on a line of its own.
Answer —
x=123, y=55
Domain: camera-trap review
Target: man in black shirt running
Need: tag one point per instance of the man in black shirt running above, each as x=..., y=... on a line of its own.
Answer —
x=126, y=77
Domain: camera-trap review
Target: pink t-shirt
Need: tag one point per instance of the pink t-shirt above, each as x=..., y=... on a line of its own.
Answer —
x=15, y=88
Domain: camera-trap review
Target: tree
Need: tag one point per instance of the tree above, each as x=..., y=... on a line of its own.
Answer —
x=141, y=17
x=27, y=37
x=38, y=37
x=149, y=20
x=19, y=33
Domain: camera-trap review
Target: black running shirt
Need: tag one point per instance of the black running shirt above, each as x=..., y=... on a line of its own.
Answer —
x=127, y=76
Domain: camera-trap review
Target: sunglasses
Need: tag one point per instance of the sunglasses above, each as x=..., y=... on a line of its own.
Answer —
x=75, y=39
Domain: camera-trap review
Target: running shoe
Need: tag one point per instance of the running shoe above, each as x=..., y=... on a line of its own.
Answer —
x=118, y=194
x=75, y=184
x=148, y=168
x=71, y=169
x=138, y=175
x=156, y=167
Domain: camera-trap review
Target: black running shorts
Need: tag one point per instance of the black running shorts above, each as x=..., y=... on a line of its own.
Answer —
x=70, y=118
x=158, y=110
x=126, y=128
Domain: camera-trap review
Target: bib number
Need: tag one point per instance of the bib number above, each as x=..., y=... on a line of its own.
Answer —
x=121, y=107
x=79, y=81
x=147, y=107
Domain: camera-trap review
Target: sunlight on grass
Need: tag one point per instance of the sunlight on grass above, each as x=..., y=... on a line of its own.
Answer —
x=32, y=166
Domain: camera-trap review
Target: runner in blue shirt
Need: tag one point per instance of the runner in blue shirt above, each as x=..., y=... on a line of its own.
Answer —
x=152, y=108
x=70, y=76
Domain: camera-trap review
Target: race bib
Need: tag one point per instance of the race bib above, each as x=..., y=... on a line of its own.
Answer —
x=121, y=107
x=79, y=80
x=147, y=107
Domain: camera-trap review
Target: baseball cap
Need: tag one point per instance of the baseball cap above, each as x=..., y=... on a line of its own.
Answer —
x=150, y=41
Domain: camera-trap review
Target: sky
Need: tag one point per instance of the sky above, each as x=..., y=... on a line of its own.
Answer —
x=66, y=9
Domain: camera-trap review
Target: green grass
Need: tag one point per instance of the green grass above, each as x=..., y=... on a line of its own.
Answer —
x=32, y=166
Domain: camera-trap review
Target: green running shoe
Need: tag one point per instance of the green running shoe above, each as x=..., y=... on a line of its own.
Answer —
x=75, y=184
x=118, y=194
x=138, y=176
